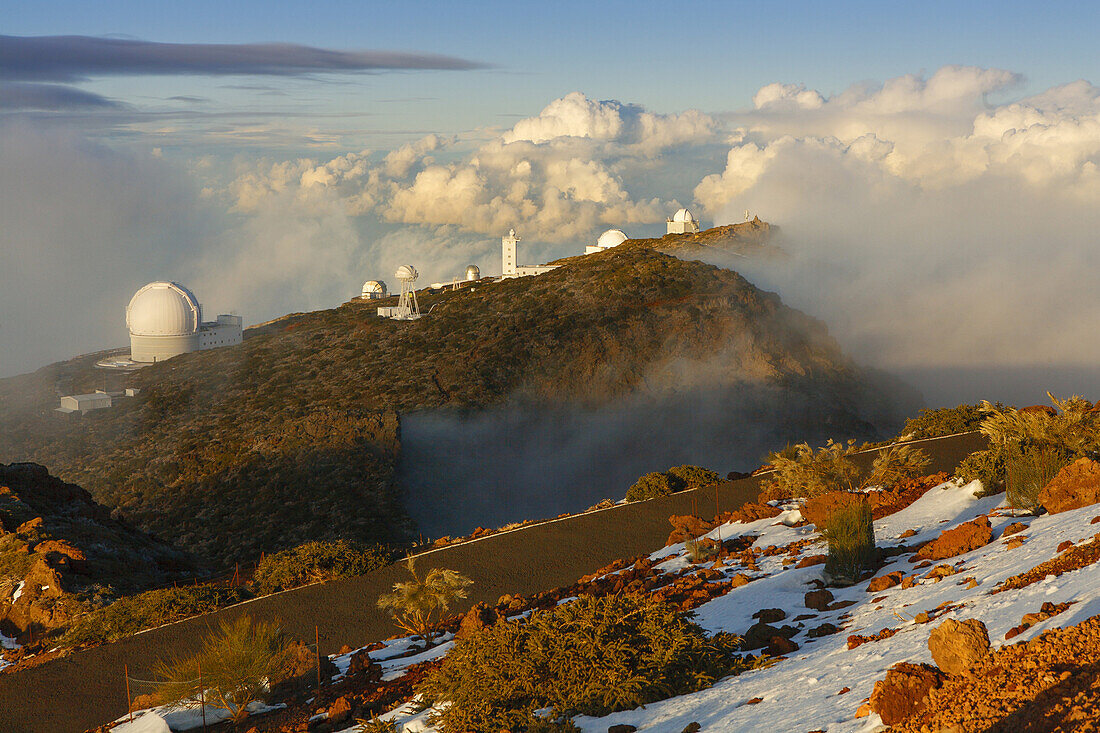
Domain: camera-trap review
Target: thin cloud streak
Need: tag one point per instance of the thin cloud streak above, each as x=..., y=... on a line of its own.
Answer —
x=75, y=58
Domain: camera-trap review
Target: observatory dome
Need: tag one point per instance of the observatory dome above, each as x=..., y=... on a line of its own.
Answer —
x=374, y=289
x=406, y=272
x=163, y=309
x=683, y=215
x=611, y=238
x=473, y=273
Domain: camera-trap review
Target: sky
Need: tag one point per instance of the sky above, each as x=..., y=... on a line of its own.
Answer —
x=932, y=166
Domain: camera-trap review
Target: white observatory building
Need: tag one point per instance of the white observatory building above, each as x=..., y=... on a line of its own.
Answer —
x=607, y=240
x=373, y=289
x=165, y=320
x=682, y=222
x=407, y=308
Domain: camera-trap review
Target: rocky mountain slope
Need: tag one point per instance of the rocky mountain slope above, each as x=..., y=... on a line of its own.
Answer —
x=295, y=434
x=59, y=548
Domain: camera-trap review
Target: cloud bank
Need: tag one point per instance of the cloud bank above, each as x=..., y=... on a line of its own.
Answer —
x=934, y=222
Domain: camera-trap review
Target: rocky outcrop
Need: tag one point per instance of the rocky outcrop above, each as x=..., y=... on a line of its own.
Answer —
x=883, y=582
x=957, y=646
x=1075, y=486
x=687, y=527
x=957, y=540
x=56, y=544
x=904, y=692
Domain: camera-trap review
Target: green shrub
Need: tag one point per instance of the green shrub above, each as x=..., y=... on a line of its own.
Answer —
x=1073, y=429
x=592, y=656
x=316, y=561
x=415, y=603
x=987, y=466
x=811, y=473
x=694, y=476
x=1028, y=470
x=652, y=485
x=127, y=616
x=701, y=550
x=374, y=725
x=850, y=533
x=236, y=662
x=663, y=483
x=933, y=423
x=897, y=463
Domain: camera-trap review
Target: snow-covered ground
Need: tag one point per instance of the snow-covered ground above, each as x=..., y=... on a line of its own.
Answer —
x=803, y=692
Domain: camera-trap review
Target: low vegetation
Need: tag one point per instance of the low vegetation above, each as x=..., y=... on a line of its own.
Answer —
x=662, y=483
x=312, y=562
x=592, y=656
x=934, y=423
x=417, y=605
x=850, y=534
x=131, y=614
x=232, y=670
x=800, y=471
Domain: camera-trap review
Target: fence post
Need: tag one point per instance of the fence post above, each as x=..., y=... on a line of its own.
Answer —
x=717, y=514
x=202, y=696
x=129, y=702
x=317, y=640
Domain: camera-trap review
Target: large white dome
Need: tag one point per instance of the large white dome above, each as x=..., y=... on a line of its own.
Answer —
x=163, y=309
x=374, y=289
x=611, y=238
x=406, y=272
x=683, y=215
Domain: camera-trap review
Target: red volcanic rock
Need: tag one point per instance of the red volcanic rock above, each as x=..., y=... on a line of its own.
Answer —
x=904, y=692
x=957, y=646
x=818, y=600
x=751, y=512
x=1075, y=486
x=818, y=509
x=687, y=527
x=883, y=582
x=964, y=538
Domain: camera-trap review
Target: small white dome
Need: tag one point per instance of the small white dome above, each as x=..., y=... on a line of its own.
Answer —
x=163, y=309
x=374, y=289
x=683, y=215
x=406, y=272
x=611, y=238
x=473, y=273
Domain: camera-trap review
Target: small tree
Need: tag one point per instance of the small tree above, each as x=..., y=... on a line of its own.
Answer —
x=414, y=604
x=652, y=485
x=236, y=663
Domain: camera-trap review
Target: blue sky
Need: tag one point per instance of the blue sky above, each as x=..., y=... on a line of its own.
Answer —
x=709, y=55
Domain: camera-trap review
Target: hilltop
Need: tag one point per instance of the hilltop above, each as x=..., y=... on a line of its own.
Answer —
x=296, y=433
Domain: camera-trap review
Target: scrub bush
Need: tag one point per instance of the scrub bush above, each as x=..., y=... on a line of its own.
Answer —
x=897, y=463
x=802, y=471
x=131, y=614
x=316, y=561
x=592, y=656
x=1028, y=470
x=236, y=663
x=987, y=466
x=933, y=423
x=677, y=478
x=850, y=533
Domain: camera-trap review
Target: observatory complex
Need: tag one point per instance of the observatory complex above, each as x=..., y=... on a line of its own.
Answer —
x=165, y=320
x=407, y=308
x=682, y=222
x=607, y=240
x=509, y=268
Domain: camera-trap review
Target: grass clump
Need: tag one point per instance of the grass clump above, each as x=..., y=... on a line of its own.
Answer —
x=592, y=656
x=897, y=463
x=235, y=665
x=127, y=616
x=850, y=534
x=417, y=605
x=317, y=561
x=677, y=478
x=1028, y=470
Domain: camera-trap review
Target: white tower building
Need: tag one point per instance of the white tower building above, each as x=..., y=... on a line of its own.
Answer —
x=682, y=222
x=165, y=320
x=508, y=259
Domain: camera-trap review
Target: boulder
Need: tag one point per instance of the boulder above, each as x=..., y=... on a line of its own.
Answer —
x=957, y=540
x=339, y=711
x=1075, y=486
x=477, y=618
x=883, y=582
x=621, y=728
x=904, y=692
x=818, y=600
x=752, y=511
x=957, y=646
x=811, y=560
x=770, y=615
x=761, y=635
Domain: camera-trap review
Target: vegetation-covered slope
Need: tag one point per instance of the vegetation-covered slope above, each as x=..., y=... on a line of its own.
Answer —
x=293, y=435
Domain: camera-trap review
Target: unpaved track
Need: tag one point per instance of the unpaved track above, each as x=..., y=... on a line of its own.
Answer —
x=86, y=689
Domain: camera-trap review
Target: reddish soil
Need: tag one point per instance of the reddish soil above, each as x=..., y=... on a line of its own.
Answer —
x=1074, y=558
